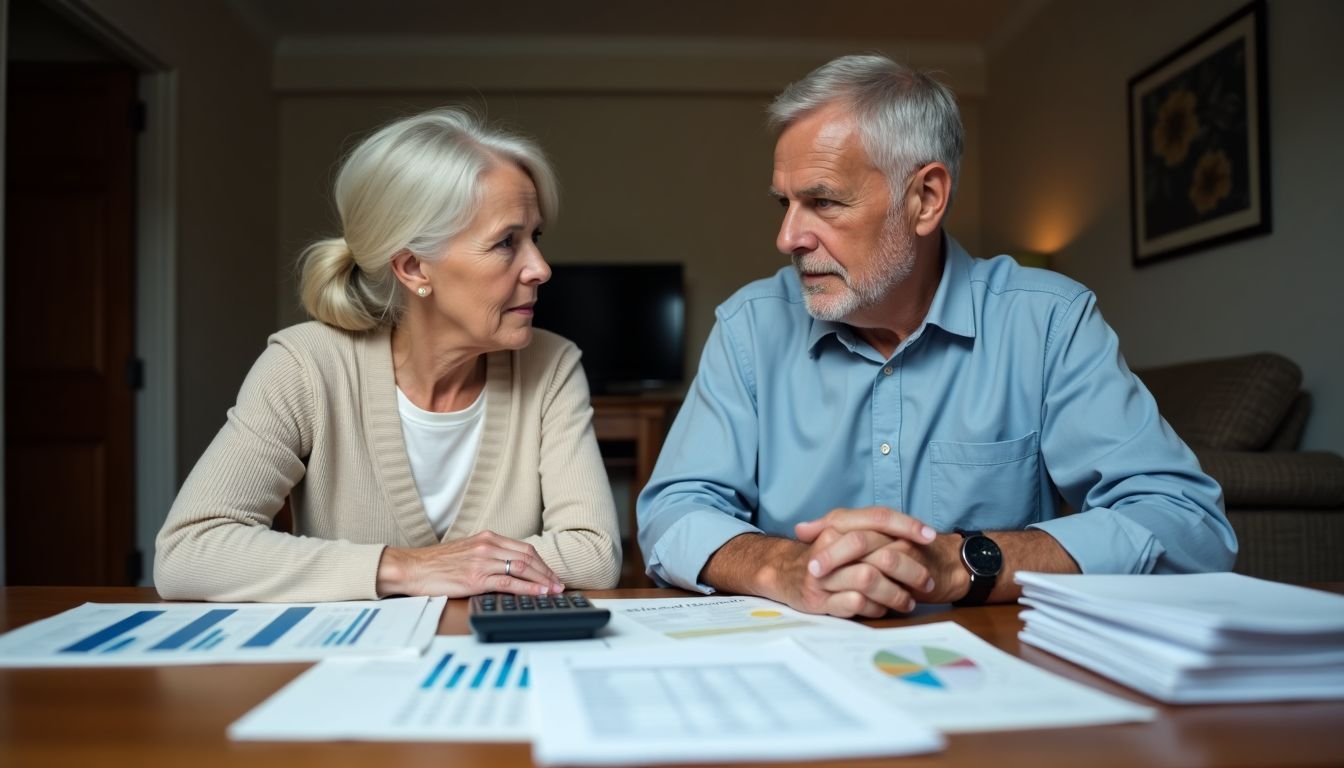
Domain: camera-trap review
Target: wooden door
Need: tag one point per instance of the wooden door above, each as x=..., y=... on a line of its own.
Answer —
x=69, y=298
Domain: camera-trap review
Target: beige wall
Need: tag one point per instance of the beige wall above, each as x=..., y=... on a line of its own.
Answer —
x=1056, y=179
x=226, y=173
x=648, y=173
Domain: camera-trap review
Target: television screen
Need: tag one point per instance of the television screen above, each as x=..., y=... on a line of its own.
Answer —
x=629, y=320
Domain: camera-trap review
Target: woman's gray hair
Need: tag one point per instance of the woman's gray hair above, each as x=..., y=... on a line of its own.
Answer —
x=905, y=117
x=412, y=185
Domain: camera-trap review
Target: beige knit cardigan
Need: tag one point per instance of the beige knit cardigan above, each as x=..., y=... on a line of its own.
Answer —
x=316, y=420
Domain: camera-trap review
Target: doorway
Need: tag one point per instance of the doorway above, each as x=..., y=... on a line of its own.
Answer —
x=69, y=323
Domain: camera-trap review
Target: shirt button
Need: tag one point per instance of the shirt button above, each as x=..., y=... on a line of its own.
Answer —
x=887, y=370
x=885, y=449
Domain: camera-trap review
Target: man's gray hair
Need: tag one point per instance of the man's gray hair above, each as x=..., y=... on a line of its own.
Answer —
x=905, y=118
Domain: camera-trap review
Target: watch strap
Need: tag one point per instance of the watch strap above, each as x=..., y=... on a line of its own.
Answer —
x=981, y=585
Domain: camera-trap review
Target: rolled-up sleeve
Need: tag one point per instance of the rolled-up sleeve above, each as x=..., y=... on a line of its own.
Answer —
x=704, y=487
x=1144, y=505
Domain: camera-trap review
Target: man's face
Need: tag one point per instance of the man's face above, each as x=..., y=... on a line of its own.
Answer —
x=849, y=245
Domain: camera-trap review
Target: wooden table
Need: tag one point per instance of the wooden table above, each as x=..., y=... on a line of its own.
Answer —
x=176, y=716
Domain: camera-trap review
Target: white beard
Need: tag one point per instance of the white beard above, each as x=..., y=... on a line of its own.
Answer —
x=892, y=264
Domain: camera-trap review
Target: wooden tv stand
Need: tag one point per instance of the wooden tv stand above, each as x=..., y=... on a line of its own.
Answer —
x=642, y=420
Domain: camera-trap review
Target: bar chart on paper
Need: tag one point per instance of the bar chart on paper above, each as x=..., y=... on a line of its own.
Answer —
x=180, y=633
x=458, y=691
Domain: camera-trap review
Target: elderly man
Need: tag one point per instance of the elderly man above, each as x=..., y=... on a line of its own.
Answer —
x=891, y=421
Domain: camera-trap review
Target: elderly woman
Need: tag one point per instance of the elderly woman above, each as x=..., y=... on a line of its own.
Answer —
x=430, y=441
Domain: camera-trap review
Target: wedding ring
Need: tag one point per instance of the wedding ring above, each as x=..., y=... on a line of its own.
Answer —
x=508, y=567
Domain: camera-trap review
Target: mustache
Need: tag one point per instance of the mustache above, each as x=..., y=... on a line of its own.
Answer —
x=819, y=265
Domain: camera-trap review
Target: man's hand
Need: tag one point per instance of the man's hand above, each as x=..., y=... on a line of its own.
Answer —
x=776, y=568
x=919, y=564
x=848, y=563
x=862, y=562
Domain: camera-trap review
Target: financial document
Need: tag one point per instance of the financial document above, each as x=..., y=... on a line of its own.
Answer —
x=461, y=690
x=749, y=620
x=696, y=703
x=957, y=682
x=1192, y=638
x=140, y=634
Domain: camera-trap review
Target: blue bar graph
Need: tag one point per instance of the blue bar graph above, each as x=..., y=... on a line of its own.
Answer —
x=506, y=668
x=185, y=635
x=117, y=646
x=107, y=633
x=438, y=669
x=277, y=628
x=480, y=673
x=352, y=626
x=205, y=642
x=457, y=675
x=367, y=622
x=522, y=681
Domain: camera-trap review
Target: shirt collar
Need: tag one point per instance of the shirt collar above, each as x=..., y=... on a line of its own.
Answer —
x=952, y=308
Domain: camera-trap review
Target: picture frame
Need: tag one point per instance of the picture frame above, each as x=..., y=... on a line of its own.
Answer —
x=1199, y=142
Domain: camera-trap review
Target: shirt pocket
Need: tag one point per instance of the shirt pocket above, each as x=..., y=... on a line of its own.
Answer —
x=985, y=486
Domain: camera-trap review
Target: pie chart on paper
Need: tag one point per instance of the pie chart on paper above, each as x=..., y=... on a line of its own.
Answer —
x=928, y=666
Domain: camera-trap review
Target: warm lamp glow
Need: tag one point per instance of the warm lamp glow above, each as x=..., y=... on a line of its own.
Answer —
x=1033, y=259
x=1052, y=229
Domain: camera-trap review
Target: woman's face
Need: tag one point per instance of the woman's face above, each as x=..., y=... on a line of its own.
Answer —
x=485, y=281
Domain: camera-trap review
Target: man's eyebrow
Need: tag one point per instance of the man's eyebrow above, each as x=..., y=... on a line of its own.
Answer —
x=815, y=191
x=819, y=190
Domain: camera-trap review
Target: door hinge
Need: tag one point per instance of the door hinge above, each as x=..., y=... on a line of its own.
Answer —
x=135, y=373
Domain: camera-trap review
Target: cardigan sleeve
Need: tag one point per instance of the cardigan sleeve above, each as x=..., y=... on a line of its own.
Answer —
x=217, y=542
x=580, y=539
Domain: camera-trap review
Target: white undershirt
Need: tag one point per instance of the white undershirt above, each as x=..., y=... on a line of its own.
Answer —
x=442, y=448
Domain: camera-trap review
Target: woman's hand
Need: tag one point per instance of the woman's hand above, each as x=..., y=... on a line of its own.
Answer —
x=485, y=562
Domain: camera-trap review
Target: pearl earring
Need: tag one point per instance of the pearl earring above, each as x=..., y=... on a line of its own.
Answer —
x=422, y=291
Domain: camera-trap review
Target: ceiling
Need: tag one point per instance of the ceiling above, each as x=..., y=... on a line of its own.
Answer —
x=980, y=23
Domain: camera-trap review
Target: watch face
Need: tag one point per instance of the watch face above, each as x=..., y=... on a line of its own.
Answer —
x=982, y=556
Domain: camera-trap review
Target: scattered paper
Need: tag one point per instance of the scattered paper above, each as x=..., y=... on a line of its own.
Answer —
x=956, y=682
x=709, y=703
x=741, y=620
x=140, y=634
x=461, y=690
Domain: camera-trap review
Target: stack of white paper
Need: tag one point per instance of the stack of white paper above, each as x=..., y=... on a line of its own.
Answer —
x=1214, y=637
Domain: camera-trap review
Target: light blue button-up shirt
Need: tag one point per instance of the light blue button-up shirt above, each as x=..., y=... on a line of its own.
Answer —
x=1012, y=387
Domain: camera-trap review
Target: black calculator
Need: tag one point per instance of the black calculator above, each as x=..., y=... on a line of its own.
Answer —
x=501, y=618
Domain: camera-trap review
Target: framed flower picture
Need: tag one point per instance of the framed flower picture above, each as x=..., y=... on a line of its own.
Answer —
x=1199, y=142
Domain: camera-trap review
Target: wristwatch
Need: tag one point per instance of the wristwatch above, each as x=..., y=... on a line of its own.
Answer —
x=983, y=558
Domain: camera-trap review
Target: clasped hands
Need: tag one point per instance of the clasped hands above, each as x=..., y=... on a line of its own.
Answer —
x=862, y=562
x=484, y=562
